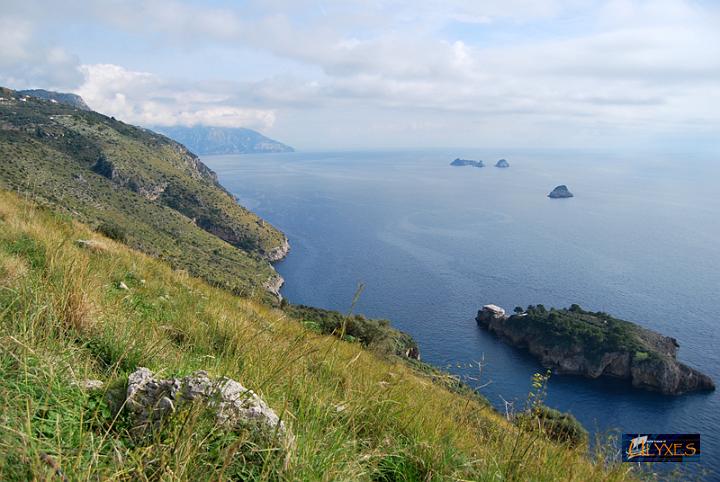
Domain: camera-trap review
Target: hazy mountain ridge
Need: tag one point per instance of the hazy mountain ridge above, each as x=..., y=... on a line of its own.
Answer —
x=209, y=140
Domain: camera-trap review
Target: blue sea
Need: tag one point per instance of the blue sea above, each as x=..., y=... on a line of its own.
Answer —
x=432, y=243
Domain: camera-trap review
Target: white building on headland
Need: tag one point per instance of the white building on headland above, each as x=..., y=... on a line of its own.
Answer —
x=494, y=309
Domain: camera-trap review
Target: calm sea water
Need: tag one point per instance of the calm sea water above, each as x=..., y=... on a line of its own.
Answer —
x=433, y=243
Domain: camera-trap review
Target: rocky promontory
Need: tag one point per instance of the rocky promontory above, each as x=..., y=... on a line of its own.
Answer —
x=279, y=252
x=467, y=162
x=560, y=192
x=579, y=342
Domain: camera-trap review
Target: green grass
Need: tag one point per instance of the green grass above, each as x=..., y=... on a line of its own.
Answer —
x=355, y=415
x=110, y=174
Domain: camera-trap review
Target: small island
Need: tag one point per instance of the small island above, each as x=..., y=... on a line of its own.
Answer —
x=560, y=192
x=579, y=342
x=467, y=162
x=502, y=163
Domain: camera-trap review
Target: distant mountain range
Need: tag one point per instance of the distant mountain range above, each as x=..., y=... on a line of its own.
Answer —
x=72, y=100
x=207, y=140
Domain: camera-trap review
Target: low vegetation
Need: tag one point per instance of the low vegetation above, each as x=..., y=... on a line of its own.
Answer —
x=595, y=333
x=553, y=424
x=72, y=311
x=374, y=334
x=134, y=185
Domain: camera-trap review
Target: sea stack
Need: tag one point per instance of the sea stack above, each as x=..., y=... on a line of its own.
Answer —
x=502, y=163
x=560, y=192
x=467, y=162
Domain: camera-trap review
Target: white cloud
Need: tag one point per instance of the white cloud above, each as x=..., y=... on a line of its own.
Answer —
x=24, y=62
x=146, y=99
x=15, y=35
x=490, y=71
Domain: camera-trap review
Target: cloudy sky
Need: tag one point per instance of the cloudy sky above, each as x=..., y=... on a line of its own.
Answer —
x=385, y=73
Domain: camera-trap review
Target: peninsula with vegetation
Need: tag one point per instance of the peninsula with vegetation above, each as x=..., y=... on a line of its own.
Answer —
x=594, y=344
x=142, y=337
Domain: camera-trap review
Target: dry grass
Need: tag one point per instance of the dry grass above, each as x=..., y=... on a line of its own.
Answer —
x=12, y=268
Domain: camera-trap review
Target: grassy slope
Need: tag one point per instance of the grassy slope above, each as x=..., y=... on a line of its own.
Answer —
x=52, y=151
x=356, y=416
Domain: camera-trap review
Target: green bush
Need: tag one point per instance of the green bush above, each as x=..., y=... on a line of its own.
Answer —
x=113, y=231
x=559, y=426
x=641, y=356
x=372, y=333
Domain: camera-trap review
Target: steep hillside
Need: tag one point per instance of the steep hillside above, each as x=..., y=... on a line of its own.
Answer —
x=70, y=312
x=136, y=185
x=207, y=140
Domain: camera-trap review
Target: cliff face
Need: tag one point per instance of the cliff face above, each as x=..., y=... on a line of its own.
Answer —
x=646, y=358
x=278, y=253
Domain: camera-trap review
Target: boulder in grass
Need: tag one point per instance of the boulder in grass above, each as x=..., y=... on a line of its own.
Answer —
x=149, y=399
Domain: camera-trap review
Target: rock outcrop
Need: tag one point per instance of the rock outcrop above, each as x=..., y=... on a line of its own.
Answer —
x=646, y=358
x=150, y=399
x=273, y=285
x=279, y=252
x=560, y=192
x=502, y=163
x=467, y=162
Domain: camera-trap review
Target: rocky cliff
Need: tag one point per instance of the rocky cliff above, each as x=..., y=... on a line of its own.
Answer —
x=574, y=341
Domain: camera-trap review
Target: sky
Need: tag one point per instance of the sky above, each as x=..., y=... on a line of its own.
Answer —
x=349, y=74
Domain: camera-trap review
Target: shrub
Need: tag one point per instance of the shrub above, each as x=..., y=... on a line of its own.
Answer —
x=641, y=356
x=113, y=231
x=372, y=333
x=560, y=426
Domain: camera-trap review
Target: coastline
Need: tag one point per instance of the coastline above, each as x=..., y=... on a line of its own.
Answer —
x=275, y=282
x=278, y=253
